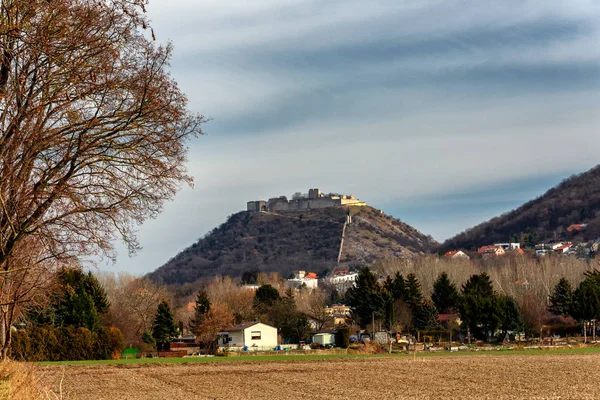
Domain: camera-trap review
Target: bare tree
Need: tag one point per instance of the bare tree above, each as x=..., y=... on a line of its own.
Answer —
x=26, y=284
x=133, y=304
x=313, y=303
x=93, y=130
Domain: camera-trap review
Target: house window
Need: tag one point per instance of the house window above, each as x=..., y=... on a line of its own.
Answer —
x=255, y=335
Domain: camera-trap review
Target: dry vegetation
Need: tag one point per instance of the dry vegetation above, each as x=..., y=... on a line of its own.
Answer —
x=514, y=276
x=288, y=241
x=20, y=381
x=474, y=377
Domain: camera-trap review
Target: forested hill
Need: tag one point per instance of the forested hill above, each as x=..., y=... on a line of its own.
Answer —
x=575, y=200
x=288, y=241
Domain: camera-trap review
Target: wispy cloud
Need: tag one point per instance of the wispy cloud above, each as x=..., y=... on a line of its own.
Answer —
x=423, y=108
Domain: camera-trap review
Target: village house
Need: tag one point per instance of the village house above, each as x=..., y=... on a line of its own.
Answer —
x=339, y=313
x=509, y=246
x=301, y=278
x=457, y=254
x=249, y=336
x=562, y=247
x=343, y=279
x=449, y=320
x=491, y=251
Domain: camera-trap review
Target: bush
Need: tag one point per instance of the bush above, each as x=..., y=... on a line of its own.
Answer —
x=46, y=343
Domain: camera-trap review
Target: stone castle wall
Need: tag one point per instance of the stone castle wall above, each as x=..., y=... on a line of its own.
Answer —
x=315, y=200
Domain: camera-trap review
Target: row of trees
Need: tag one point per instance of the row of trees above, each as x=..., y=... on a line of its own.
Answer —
x=70, y=324
x=401, y=305
x=583, y=303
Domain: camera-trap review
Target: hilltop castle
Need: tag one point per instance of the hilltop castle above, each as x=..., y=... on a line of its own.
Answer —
x=315, y=199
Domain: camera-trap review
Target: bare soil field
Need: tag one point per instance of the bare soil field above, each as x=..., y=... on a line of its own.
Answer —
x=559, y=376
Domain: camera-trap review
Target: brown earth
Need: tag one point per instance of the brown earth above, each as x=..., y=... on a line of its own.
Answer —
x=468, y=377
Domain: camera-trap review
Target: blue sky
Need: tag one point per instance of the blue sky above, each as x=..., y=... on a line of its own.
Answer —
x=442, y=113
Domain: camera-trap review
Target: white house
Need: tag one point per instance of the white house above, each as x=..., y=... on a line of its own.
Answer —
x=251, y=335
x=301, y=278
x=343, y=279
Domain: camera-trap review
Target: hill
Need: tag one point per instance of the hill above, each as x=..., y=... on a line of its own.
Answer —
x=575, y=200
x=286, y=241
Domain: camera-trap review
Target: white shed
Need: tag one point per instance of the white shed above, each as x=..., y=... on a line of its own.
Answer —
x=253, y=335
x=324, y=338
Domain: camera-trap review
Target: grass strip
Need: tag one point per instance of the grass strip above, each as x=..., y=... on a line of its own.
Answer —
x=317, y=357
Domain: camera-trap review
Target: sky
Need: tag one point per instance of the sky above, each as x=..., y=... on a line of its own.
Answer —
x=442, y=113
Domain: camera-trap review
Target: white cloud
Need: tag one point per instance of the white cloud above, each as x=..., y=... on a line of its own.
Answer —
x=394, y=128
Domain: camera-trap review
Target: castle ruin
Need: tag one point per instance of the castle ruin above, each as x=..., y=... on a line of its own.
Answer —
x=315, y=199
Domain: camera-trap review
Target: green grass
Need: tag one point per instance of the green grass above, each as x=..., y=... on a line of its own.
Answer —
x=292, y=357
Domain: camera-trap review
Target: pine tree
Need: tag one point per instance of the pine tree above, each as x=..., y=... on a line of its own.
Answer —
x=510, y=319
x=427, y=317
x=163, y=327
x=266, y=296
x=445, y=295
x=148, y=339
x=398, y=287
x=586, y=299
x=413, y=295
x=78, y=300
x=479, y=306
x=201, y=309
x=365, y=298
x=561, y=299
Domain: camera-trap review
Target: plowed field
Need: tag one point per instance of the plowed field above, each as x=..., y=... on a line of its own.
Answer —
x=560, y=376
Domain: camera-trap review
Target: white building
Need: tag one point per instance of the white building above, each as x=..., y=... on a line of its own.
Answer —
x=324, y=338
x=343, y=280
x=509, y=246
x=254, y=336
x=301, y=278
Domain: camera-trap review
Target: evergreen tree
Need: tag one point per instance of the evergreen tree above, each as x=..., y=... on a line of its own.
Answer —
x=266, y=296
x=250, y=277
x=388, y=310
x=427, y=317
x=365, y=298
x=586, y=299
x=78, y=300
x=201, y=309
x=445, y=295
x=561, y=299
x=413, y=295
x=510, y=317
x=479, y=306
x=398, y=287
x=163, y=327
x=148, y=339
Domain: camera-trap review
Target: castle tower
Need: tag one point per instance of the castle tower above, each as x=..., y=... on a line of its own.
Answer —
x=314, y=193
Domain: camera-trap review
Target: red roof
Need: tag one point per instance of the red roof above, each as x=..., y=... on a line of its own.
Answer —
x=520, y=250
x=451, y=254
x=341, y=272
x=489, y=248
x=447, y=317
x=576, y=227
x=310, y=275
x=564, y=246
